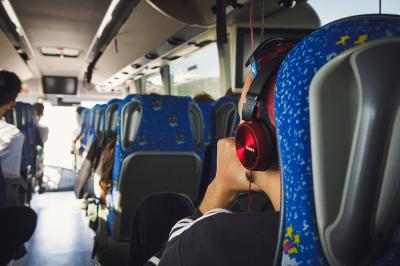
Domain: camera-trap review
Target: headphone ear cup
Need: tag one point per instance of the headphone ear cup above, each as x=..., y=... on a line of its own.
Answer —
x=255, y=145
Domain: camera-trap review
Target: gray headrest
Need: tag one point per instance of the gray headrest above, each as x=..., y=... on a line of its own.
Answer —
x=355, y=139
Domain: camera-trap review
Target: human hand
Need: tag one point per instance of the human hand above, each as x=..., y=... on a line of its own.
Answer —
x=231, y=175
x=72, y=148
x=229, y=180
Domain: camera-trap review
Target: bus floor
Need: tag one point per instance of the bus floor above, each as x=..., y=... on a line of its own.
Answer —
x=61, y=236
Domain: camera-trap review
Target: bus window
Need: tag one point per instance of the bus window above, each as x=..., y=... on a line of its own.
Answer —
x=197, y=73
x=153, y=84
x=329, y=11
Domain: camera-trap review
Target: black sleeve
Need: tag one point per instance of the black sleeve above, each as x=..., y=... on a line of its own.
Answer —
x=155, y=259
x=224, y=239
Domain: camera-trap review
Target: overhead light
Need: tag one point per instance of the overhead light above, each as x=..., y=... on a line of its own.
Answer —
x=60, y=51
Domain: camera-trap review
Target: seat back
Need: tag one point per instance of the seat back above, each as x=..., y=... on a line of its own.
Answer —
x=99, y=118
x=23, y=117
x=340, y=191
x=85, y=120
x=90, y=133
x=224, y=120
x=159, y=153
x=207, y=110
x=111, y=118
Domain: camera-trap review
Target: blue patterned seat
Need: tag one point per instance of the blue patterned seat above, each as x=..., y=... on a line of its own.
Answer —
x=207, y=109
x=24, y=117
x=90, y=133
x=84, y=120
x=111, y=118
x=157, y=150
x=224, y=119
x=300, y=231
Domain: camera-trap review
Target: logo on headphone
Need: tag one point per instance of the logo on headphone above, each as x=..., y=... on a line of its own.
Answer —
x=250, y=149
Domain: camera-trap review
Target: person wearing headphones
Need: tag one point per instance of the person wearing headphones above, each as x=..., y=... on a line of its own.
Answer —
x=213, y=235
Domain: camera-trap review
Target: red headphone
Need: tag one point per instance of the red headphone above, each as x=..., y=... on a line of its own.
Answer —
x=255, y=138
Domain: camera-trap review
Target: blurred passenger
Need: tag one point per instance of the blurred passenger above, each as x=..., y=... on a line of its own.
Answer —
x=103, y=175
x=230, y=93
x=43, y=130
x=203, y=98
x=17, y=224
x=78, y=132
x=11, y=139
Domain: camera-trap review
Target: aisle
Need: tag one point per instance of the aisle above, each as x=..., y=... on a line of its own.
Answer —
x=61, y=237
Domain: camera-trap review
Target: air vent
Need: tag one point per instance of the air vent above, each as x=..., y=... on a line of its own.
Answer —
x=201, y=44
x=175, y=41
x=59, y=52
x=172, y=58
x=151, y=56
x=136, y=66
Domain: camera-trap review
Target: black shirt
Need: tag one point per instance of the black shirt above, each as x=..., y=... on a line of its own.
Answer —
x=221, y=238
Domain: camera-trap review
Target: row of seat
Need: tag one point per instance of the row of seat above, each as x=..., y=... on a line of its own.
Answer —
x=336, y=108
x=163, y=143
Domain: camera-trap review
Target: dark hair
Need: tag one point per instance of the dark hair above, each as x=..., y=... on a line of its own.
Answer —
x=203, y=98
x=230, y=93
x=38, y=108
x=79, y=110
x=10, y=86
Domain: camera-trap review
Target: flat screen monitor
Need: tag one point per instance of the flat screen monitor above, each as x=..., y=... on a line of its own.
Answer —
x=59, y=85
x=244, y=50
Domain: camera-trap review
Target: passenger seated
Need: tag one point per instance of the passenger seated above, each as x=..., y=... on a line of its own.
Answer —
x=11, y=139
x=203, y=98
x=17, y=224
x=214, y=235
x=230, y=93
x=105, y=170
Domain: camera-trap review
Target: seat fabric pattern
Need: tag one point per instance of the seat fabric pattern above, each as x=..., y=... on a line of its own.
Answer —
x=301, y=244
x=23, y=125
x=111, y=102
x=164, y=126
x=85, y=116
x=118, y=148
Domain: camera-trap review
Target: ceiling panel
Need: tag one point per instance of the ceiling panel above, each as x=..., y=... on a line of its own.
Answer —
x=60, y=23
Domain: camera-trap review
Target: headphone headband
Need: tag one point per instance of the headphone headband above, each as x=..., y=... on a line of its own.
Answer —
x=249, y=112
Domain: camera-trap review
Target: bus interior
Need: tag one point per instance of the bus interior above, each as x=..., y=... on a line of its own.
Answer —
x=157, y=85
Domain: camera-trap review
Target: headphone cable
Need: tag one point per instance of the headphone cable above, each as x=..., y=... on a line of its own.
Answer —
x=251, y=25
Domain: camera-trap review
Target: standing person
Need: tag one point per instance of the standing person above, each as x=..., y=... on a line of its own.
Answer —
x=78, y=132
x=43, y=130
x=17, y=224
x=77, y=138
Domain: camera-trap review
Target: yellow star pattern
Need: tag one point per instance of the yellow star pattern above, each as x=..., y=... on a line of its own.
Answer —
x=296, y=240
x=343, y=40
x=289, y=232
x=361, y=39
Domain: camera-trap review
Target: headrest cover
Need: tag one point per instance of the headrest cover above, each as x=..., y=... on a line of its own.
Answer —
x=301, y=243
